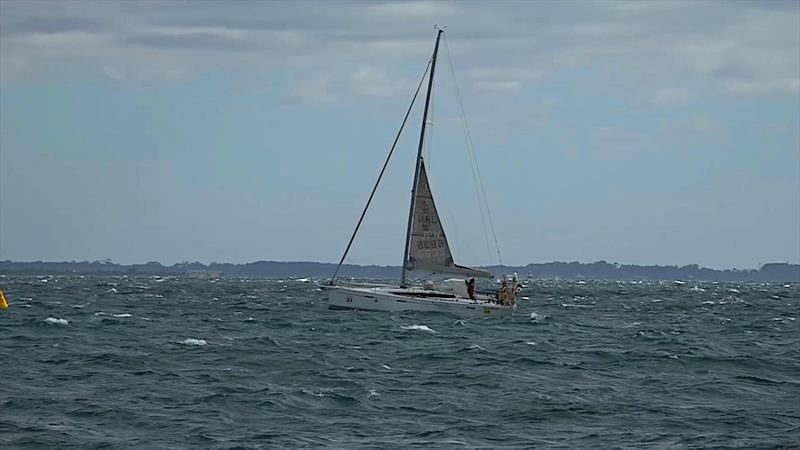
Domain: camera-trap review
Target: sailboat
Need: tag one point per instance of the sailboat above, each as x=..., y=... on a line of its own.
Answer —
x=426, y=249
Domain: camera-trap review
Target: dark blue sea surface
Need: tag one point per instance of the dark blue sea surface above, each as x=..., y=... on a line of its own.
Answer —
x=174, y=363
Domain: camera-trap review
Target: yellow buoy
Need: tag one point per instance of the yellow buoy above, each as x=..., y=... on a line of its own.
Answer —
x=3, y=302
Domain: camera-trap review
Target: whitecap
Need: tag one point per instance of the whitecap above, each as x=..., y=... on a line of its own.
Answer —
x=541, y=395
x=190, y=341
x=122, y=315
x=303, y=280
x=536, y=317
x=531, y=343
x=476, y=347
x=372, y=393
x=419, y=328
x=54, y=321
x=734, y=290
x=310, y=392
x=525, y=298
x=112, y=291
x=385, y=366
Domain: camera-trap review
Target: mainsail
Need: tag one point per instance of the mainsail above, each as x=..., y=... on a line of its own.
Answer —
x=428, y=248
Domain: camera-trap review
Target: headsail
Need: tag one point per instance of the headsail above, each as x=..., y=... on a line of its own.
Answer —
x=428, y=248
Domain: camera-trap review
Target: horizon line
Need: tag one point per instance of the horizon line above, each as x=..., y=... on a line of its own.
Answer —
x=110, y=261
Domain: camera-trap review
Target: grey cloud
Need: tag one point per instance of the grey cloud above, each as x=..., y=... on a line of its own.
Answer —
x=51, y=25
x=652, y=44
x=189, y=41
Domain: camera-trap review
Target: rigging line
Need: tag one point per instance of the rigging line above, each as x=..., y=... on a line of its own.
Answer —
x=472, y=162
x=383, y=169
x=472, y=152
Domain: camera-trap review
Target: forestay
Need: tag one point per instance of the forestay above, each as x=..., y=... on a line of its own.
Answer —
x=428, y=248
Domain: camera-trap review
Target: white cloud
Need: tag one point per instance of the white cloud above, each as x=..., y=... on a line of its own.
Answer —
x=316, y=90
x=701, y=123
x=498, y=86
x=787, y=85
x=617, y=140
x=670, y=96
x=377, y=83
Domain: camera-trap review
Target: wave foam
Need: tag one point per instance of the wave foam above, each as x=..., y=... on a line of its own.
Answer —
x=419, y=328
x=190, y=341
x=54, y=321
x=122, y=315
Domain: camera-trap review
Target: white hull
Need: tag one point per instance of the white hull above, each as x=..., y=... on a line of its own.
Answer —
x=402, y=299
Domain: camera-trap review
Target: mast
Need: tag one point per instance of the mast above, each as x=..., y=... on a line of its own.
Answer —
x=406, y=269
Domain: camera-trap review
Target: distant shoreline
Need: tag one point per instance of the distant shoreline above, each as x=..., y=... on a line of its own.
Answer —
x=600, y=270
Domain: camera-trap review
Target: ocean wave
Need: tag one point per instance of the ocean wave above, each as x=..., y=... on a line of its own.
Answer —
x=383, y=380
x=54, y=321
x=419, y=328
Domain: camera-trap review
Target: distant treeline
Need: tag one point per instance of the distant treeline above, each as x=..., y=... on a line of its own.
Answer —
x=273, y=269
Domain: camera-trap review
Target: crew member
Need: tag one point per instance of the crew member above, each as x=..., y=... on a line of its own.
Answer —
x=471, y=288
x=501, y=296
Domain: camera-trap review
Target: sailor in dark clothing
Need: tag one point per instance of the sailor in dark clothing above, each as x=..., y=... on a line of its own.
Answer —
x=471, y=288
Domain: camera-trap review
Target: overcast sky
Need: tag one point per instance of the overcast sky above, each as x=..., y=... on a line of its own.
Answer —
x=634, y=132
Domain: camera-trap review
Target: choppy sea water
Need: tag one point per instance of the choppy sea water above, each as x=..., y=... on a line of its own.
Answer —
x=172, y=363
